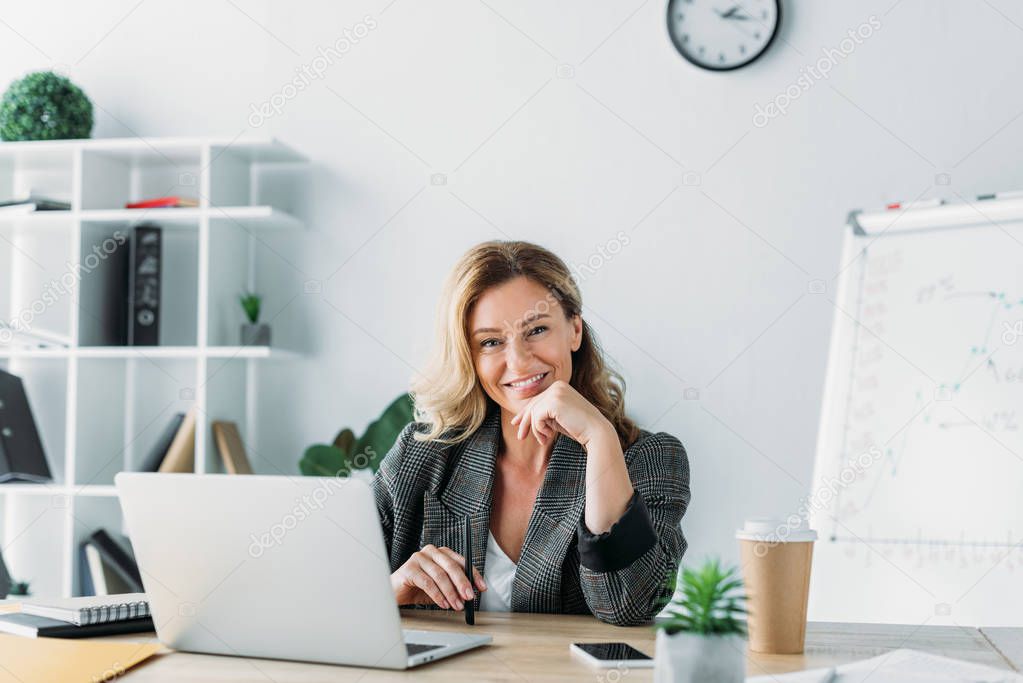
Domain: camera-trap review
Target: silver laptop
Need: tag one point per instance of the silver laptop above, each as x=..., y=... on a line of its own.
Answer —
x=277, y=567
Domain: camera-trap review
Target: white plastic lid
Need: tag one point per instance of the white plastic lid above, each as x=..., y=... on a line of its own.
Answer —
x=776, y=530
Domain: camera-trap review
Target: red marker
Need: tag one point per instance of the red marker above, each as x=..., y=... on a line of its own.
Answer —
x=920, y=204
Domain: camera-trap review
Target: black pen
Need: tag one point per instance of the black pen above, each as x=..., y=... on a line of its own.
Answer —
x=469, y=616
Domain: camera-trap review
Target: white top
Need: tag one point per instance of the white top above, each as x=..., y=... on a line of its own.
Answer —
x=500, y=573
x=770, y=530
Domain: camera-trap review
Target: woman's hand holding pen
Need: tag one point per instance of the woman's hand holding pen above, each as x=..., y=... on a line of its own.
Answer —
x=435, y=575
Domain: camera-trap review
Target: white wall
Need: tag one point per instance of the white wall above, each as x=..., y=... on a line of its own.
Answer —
x=712, y=290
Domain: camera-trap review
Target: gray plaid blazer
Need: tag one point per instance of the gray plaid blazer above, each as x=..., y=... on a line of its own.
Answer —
x=425, y=490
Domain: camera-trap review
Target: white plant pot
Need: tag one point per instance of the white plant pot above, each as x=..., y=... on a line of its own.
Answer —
x=690, y=658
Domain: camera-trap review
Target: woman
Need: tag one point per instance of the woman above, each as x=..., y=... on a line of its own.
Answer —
x=521, y=427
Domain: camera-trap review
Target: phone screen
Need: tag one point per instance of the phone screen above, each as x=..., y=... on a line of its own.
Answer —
x=611, y=651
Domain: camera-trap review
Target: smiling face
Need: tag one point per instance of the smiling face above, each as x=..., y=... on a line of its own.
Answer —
x=521, y=341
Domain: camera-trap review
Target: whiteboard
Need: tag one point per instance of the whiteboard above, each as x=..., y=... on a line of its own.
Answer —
x=918, y=478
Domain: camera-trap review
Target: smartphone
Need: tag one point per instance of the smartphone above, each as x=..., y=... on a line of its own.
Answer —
x=611, y=655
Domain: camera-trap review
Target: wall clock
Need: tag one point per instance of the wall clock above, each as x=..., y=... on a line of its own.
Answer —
x=722, y=35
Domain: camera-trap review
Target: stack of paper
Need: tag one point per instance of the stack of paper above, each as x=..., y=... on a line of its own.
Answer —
x=910, y=666
x=808, y=676
x=899, y=666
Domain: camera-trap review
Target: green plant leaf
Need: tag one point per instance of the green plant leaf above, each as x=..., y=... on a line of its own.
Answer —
x=344, y=440
x=365, y=452
x=251, y=304
x=321, y=460
x=381, y=434
x=710, y=601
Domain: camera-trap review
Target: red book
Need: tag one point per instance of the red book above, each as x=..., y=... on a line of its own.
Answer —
x=162, y=203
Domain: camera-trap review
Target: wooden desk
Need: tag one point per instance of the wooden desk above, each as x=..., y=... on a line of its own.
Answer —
x=534, y=647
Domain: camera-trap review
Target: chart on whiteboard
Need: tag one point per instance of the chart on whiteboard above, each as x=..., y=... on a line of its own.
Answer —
x=918, y=483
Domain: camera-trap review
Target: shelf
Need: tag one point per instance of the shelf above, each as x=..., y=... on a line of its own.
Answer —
x=149, y=352
x=101, y=407
x=36, y=217
x=255, y=216
x=58, y=490
x=256, y=150
x=262, y=217
x=93, y=490
x=249, y=352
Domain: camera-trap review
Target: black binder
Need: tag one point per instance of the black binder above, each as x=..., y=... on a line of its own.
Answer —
x=21, y=451
x=5, y=579
x=144, y=273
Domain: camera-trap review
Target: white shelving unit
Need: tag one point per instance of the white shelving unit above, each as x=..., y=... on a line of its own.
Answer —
x=100, y=407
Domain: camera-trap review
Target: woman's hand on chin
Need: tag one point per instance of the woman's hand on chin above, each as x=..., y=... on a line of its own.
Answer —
x=560, y=408
x=434, y=576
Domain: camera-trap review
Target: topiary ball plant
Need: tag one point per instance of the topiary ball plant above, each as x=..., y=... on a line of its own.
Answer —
x=44, y=106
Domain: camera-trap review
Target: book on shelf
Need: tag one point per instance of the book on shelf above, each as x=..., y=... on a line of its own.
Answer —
x=231, y=448
x=156, y=454
x=96, y=576
x=113, y=559
x=22, y=457
x=180, y=457
x=86, y=586
x=144, y=289
x=163, y=203
x=95, y=609
x=34, y=626
x=31, y=203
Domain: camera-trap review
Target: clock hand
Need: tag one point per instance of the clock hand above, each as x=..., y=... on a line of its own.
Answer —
x=731, y=14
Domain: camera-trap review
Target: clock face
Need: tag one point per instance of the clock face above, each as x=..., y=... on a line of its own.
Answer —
x=723, y=34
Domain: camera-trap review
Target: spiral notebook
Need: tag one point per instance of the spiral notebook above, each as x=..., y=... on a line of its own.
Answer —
x=98, y=609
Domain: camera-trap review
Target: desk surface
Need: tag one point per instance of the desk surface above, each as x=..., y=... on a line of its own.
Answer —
x=534, y=647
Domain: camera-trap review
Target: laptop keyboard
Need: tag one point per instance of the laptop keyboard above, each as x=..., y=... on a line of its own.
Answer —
x=418, y=649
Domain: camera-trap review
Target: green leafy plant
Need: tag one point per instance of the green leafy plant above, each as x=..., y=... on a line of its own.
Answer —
x=711, y=603
x=44, y=106
x=251, y=302
x=19, y=588
x=348, y=453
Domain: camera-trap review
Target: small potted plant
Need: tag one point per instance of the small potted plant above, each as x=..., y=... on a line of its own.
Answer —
x=254, y=333
x=19, y=589
x=703, y=640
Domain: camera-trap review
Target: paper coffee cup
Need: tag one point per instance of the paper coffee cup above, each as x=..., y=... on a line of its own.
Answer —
x=776, y=560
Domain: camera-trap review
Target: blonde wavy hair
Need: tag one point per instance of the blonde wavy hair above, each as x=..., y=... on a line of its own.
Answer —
x=449, y=399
